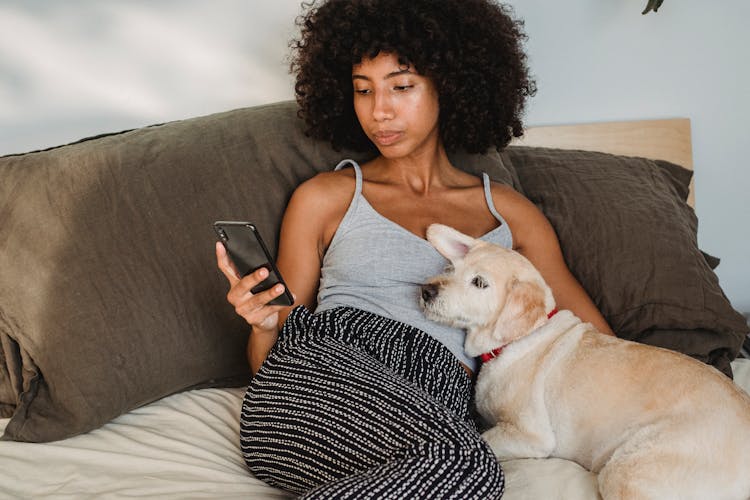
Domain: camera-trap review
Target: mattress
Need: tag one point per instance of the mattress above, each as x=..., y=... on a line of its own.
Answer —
x=186, y=446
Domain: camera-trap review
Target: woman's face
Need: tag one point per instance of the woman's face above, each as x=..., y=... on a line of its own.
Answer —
x=397, y=107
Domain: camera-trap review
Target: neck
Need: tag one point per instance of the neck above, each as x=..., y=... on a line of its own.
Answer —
x=489, y=356
x=421, y=171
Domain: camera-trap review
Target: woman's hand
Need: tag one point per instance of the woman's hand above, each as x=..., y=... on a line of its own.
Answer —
x=253, y=308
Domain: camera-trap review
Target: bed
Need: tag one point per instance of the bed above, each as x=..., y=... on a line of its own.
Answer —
x=121, y=369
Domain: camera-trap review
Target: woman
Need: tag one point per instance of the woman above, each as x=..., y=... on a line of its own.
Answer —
x=366, y=397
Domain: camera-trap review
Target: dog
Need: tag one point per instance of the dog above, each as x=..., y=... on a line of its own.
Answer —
x=653, y=423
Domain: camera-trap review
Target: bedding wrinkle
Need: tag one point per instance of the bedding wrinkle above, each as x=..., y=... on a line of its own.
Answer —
x=216, y=467
x=181, y=447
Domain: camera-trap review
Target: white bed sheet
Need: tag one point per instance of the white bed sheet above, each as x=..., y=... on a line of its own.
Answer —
x=186, y=447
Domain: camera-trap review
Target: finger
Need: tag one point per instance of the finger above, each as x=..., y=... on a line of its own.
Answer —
x=256, y=308
x=242, y=288
x=267, y=296
x=258, y=300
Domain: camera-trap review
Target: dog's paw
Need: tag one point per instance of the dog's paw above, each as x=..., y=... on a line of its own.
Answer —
x=509, y=443
x=495, y=438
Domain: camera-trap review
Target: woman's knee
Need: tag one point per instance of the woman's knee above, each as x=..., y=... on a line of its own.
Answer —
x=484, y=474
x=468, y=468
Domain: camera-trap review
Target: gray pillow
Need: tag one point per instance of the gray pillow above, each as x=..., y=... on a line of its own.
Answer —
x=109, y=295
x=630, y=238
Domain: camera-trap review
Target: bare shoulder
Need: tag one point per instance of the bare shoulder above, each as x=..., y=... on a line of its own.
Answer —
x=526, y=221
x=319, y=204
x=511, y=204
x=325, y=191
x=326, y=186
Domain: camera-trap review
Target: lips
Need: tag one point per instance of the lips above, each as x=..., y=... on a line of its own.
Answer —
x=387, y=137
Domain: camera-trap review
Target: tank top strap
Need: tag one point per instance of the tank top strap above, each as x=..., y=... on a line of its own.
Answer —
x=488, y=197
x=357, y=173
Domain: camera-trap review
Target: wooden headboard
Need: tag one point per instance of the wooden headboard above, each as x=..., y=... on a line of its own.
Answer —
x=656, y=139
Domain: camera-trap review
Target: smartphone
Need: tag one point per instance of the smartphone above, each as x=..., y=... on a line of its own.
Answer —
x=248, y=253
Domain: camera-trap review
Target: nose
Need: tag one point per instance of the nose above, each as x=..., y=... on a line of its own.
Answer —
x=429, y=292
x=382, y=108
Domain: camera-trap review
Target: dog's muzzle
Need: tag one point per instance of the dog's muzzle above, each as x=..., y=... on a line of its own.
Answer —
x=429, y=292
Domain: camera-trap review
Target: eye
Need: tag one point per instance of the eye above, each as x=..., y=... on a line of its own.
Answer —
x=362, y=91
x=402, y=88
x=479, y=282
x=449, y=269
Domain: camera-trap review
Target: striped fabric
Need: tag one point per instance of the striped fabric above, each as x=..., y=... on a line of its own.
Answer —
x=352, y=405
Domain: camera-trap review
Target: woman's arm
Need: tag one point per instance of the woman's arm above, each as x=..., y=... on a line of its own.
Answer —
x=299, y=261
x=535, y=238
x=253, y=308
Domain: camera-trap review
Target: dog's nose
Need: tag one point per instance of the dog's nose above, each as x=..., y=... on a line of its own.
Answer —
x=429, y=292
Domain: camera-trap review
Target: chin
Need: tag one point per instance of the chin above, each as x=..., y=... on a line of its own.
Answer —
x=437, y=316
x=394, y=151
x=390, y=152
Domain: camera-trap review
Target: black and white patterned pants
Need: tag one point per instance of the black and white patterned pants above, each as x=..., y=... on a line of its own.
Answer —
x=350, y=404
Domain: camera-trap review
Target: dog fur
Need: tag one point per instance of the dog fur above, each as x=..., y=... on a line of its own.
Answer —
x=653, y=423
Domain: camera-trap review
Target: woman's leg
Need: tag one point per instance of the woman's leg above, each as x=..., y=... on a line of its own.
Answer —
x=323, y=417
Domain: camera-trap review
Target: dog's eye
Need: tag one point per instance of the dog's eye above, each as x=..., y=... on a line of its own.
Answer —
x=449, y=269
x=479, y=282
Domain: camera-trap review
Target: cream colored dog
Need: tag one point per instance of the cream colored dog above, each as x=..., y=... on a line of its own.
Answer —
x=653, y=423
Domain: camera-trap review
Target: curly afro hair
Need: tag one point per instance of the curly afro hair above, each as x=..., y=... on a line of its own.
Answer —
x=471, y=49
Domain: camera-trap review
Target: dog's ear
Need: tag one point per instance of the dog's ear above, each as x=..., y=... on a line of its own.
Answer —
x=523, y=311
x=452, y=244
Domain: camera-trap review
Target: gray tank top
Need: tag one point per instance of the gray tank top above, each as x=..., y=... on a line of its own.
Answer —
x=376, y=265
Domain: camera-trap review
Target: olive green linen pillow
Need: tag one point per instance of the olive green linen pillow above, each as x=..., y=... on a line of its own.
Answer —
x=630, y=238
x=109, y=294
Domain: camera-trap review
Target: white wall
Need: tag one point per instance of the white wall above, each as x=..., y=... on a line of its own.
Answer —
x=76, y=68
x=600, y=60
x=82, y=67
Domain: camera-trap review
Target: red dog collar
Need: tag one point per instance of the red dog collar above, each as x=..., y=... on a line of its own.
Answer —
x=488, y=356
